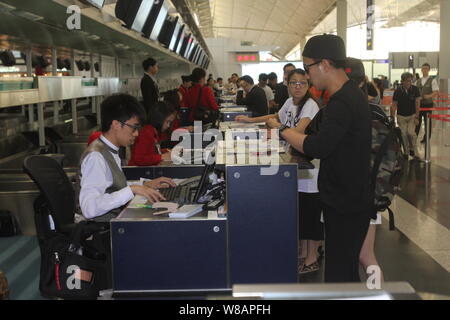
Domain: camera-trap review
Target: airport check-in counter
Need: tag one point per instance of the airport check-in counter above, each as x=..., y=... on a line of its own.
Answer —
x=255, y=239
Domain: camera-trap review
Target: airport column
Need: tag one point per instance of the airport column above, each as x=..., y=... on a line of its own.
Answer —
x=444, y=50
x=41, y=124
x=342, y=19
x=29, y=62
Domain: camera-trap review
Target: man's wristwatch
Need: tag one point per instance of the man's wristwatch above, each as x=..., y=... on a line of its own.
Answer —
x=282, y=128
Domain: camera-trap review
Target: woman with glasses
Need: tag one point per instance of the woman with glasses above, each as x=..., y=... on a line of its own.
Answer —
x=297, y=112
x=146, y=150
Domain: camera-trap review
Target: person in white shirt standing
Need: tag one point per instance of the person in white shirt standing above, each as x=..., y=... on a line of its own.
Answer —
x=267, y=90
x=103, y=186
x=297, y=112
x=429, y=90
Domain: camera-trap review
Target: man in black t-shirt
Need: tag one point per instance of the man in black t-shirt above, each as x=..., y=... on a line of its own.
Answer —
x=343, y=145
x=281, y=90
x=406, y=102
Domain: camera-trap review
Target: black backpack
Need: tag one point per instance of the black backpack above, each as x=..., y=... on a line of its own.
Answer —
x=388, y=160
x=72, y=267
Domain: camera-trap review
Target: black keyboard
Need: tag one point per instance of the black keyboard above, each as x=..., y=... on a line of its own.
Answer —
x=179, y=194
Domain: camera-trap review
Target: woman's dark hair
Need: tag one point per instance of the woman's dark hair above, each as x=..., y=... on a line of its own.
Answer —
x=172, y=97
x=159, y=113
x=307, y=95
x=121, y=107
x=198, y=74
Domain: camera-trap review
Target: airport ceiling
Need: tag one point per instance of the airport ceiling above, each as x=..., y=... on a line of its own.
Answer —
x=281, y=24
x=277, y=24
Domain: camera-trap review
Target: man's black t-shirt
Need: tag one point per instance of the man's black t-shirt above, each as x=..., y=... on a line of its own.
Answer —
x=406, y=100
x=343, y=145
x=281, y=94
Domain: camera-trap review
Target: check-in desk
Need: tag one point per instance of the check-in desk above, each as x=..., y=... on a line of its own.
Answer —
x=230, y=113
x=255, y=241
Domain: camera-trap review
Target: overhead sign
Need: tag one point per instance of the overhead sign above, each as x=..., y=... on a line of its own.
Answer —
x=370, y=23
x=247, y=57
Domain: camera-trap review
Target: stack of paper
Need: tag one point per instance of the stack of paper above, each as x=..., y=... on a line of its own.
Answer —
x=187, y=211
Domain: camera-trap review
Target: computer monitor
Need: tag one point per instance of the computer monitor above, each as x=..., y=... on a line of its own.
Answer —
x=142, y=15
x=192, y=50
x=97, y=3
x=152, y=17
x=167, y=31
x=180, y=41
x=196, y=55
x=159, y=22
x=175, y=38
x=126, y=10
x=185, y=44
x=188, y=47
x=199, y=58
x=203, y=183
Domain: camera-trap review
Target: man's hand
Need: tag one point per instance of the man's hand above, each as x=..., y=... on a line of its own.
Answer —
x=242, y=118
x=160, y=183
x=273, y=123
x=151, y=194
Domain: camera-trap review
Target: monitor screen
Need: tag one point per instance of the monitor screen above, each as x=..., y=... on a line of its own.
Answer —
x=126, y=10
x=142, y=15
x=167, y=31
x=152, y=17
x=175, y=37
x=199, y=55
x=179, y=40
x=189, y=46
x=186, y=39
x=159, y=22
x=192, y=50
x=97, y=3
x=195, y=53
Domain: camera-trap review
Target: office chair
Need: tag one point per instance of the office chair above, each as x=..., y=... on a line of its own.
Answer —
x=62, y=242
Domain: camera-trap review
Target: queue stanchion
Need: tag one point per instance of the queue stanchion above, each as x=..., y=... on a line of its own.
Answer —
x=428, y=129
x=427, y=139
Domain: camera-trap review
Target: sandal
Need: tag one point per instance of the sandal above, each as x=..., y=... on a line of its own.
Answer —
x=301, y=261
x=307, y=269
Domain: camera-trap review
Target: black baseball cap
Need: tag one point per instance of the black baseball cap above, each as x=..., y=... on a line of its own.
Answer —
x=354, y=68
x=325, y=46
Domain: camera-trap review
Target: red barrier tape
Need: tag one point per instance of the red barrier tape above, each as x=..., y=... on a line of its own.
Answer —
x=433, y=109
x=440, y=117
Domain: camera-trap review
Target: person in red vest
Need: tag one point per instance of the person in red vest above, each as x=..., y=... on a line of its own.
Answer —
x=146, y=150
x=184, y=88
x=207, y=96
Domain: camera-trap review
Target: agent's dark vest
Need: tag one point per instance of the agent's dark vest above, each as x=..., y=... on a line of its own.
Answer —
x=427, y=88
x=119, y=179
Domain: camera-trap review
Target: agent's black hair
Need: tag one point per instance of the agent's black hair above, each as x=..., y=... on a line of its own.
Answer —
x=186, y=78
x=426, y=64
x=272, y=76
x=158, y=113
x=172, y=97
x=121, y=107
x=263, y=77
x=198, y=74
x=247, y=79
x=147, y=63
x=287, y=66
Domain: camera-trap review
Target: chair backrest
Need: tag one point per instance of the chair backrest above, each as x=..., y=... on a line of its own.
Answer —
x=54, y=185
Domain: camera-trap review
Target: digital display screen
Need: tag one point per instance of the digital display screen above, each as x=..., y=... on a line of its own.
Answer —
x=142, y=15
x=175, y=36
x=97, y=3
x=159, y=22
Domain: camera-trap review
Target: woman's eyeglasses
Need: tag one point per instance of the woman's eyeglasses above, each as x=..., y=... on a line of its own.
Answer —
x=301, y=84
